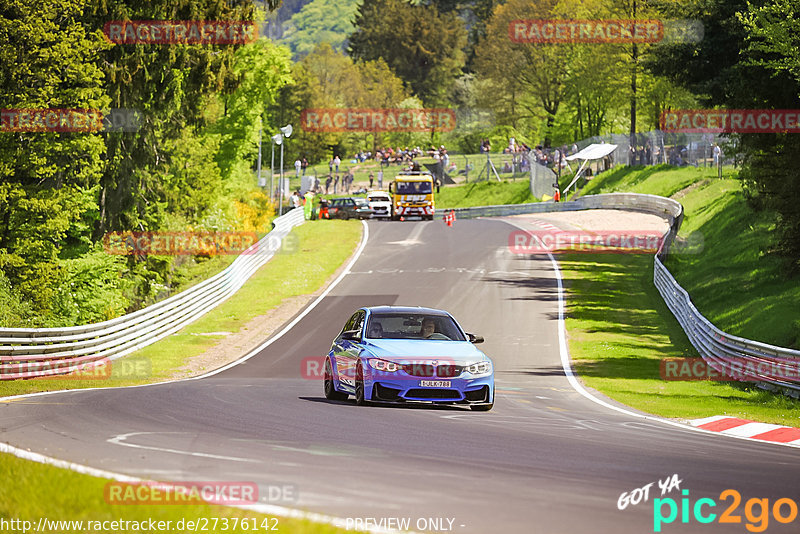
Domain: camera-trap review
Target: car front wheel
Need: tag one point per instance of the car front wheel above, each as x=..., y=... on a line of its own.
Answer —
x=360, y=398
x=330, y=390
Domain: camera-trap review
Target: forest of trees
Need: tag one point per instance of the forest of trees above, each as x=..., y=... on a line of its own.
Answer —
x=190, y=164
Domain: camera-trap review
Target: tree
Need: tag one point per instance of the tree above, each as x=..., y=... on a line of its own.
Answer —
x=171, y=87
x=748, y=59
x=536, y=82
x=421, y=46
x=48, y=59
x=327, y=78
x=320, y=21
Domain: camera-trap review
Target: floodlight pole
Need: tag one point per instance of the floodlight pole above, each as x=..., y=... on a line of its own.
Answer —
x=272, y=174
x=260, y=131
x=280, y=186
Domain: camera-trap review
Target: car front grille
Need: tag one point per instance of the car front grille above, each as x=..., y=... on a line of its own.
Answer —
x=448, y=371
x=418, y=369
x=433, y=393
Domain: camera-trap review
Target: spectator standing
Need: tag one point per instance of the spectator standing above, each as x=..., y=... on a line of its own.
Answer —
x=297, y=165
x=380, y=179
x=296, y=199
x=304, y=165
x=328, y=181
x=371, y=179
x=336, y=162
x=330, y=166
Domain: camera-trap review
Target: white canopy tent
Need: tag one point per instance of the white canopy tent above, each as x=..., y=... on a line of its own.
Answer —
x=590, y=153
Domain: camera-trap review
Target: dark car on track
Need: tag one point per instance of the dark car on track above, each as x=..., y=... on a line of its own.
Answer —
x=349, y=208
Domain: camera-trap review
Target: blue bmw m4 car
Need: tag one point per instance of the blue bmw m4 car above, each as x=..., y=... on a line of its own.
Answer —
x=393, y=354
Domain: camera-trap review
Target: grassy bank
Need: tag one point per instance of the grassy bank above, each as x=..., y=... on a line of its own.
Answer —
x=733, y=281
x=31, y=491
x=620, y=328
x=317, y=249
x=619, y=331
x=662, y=180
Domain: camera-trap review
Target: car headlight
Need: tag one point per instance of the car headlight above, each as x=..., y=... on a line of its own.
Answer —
x=479, y=368
x=383, y=365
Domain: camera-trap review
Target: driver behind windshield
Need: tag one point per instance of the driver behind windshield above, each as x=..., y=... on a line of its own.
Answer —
x=375, y=330
x=428, y=327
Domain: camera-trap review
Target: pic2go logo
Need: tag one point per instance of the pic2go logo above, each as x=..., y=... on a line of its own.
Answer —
x=756, y=511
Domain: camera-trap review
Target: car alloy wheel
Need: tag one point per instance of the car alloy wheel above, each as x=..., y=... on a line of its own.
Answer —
x=330, y=390
x=360, y=400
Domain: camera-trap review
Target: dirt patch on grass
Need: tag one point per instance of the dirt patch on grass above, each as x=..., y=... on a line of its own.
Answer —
x=686, y=190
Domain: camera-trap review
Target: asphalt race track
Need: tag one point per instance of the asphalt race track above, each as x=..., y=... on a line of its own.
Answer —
x=545, y=459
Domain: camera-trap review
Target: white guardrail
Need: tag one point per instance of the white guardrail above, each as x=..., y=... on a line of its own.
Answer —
x=35, y=352
x=769, y=366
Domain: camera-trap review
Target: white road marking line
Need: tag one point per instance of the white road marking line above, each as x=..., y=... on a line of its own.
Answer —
x=266, y=509
x=122, y=440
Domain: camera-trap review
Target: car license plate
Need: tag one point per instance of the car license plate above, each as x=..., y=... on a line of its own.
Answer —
x=434, y=383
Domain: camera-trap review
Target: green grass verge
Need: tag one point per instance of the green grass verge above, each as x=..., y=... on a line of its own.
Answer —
x=486, y=193
x=662, y=180
x=31, y=491
x=319, y=248
x=620, y=329
x=732, y=281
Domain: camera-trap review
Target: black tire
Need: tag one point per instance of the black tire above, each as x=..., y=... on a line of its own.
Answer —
x=330, y=390
x=360, y=400
x=481, y=407
x=345, y=216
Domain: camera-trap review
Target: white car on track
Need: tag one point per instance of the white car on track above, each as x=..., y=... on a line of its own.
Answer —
x=381, y=204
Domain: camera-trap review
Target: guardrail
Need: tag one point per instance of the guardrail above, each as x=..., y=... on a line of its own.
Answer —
x=35, y=352
x=768, y=366
x=731, y=356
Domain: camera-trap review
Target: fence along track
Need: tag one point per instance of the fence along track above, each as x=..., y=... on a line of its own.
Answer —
x=35, y=352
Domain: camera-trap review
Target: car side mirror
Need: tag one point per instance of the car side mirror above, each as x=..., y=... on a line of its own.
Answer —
x=352, y=335
x=474, y=339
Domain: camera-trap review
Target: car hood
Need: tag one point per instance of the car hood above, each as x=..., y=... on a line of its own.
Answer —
x=400, y=350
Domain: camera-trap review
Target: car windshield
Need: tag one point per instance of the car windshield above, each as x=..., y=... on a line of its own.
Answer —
x=379, y=198
x=414, y=188
x=413, y=326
